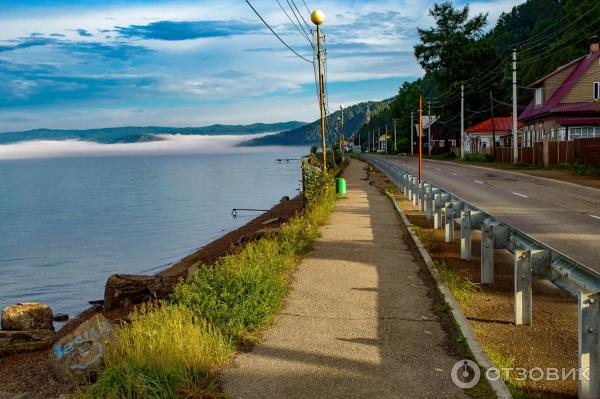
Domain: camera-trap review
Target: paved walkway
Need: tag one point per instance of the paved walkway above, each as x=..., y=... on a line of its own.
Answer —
x=358, y=322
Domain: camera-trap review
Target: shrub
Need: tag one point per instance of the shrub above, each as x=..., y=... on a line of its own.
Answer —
x=478, y=157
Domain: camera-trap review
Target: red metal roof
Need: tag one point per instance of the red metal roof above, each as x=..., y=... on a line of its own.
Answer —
x=503, y=125
x=579, y=121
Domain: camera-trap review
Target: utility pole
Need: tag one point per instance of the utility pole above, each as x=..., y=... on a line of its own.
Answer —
x=420, y=139
x=515, y=112
x=386, y=138
x=378, y=138
x=412, y=128
x=342, y=131
x=462, y=121
x=429, y=130
x=318, y=18
x=493, y=127
x=395, y=141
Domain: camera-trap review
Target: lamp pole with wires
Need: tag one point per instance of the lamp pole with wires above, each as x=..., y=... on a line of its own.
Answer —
x=318, y=18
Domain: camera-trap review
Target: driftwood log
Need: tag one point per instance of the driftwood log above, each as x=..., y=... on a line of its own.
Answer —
x=25, y=341
x=123, y=290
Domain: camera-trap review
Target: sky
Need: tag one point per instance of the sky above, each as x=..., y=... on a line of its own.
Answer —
x=70, y=64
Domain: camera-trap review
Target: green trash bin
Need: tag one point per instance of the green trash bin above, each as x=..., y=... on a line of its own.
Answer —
x=340, y=186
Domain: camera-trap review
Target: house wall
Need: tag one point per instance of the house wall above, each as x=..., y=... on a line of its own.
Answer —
x=582, y=91
x=552, y=84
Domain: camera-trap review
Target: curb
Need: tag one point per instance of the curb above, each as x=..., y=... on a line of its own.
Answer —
x=473, y=343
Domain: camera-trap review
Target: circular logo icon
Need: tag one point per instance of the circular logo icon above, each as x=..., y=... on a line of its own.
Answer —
x=465, y=374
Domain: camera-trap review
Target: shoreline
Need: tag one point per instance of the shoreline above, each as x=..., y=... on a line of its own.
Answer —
x=32, y=369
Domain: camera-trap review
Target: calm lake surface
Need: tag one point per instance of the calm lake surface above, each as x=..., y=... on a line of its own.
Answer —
x=67, y=224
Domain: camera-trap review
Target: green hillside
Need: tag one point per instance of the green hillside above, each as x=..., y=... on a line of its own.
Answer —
x=355, y=116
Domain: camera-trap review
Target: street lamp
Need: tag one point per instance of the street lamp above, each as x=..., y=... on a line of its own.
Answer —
x=318, y=18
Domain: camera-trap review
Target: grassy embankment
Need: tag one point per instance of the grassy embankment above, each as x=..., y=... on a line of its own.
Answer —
x=175, y=348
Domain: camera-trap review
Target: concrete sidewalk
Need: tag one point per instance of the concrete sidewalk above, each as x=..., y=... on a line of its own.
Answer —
x=360, y=320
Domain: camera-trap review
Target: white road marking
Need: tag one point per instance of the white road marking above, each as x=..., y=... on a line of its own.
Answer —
x=520, y=195
x=454, y=174
x=439, y=170
x=478, y=182
x=595, y=217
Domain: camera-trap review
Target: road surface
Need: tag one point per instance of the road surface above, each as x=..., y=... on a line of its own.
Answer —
x=564, y=216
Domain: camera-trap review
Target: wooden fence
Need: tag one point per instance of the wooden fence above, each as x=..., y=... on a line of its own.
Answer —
x=585, y=151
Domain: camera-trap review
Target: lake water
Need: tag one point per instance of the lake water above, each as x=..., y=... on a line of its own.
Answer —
x=69, y=222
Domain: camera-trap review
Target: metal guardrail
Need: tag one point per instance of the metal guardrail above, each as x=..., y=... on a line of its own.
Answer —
x=532, y=258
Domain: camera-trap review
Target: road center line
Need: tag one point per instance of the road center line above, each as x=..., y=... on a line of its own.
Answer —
x=439, y=170
x=454, y=174
x=520, y=195
x=595, y=217
x=478, y=182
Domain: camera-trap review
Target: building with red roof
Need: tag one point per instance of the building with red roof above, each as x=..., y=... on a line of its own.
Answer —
x=480, y=137
x=566, y=103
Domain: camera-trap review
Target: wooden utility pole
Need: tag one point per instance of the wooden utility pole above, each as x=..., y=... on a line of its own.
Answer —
x=420, y=139
x=493, y=127
x=342, y=131
x=429, y=130
x=515, y=126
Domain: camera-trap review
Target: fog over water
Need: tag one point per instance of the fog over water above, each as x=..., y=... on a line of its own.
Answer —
x=72, y=213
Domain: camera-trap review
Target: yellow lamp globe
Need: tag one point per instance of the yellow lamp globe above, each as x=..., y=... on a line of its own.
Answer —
x=317, y=17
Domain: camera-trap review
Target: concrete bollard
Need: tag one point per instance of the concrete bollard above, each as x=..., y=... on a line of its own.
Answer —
x=429, y=201
x=589, y=344
x=437, y=217
x=465, y=235
x=487, y=252
x=523, y=296
x=449, y=222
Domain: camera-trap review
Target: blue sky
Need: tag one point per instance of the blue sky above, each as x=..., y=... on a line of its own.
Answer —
x=88, y=64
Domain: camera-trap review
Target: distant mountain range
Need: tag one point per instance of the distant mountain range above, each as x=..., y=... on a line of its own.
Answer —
x=355, y=117
x=142, y=134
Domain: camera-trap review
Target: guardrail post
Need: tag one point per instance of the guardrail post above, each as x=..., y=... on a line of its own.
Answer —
x=421, y=197
x=410, y=187
x=487, y=252
x=415, y=198
x=449, y=222
x=406, y=177
x=437, y=217
x=523, y=279
x=589, y=345
x=465, y=235
x=429, y=203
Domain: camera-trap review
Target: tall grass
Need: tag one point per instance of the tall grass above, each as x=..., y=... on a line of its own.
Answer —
x=460, y=286
x=174, y=349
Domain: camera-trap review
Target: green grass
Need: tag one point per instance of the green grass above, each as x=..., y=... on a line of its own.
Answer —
x=460, y=286
x=425, y=236
x=581, y=169
x=519, y=389
x=174, y=349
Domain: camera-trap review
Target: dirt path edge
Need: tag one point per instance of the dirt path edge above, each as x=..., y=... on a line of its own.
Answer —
x=471, y=340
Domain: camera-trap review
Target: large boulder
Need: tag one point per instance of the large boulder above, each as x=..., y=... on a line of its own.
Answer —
x=27, y=316
x=24, y=341
x=77, y=357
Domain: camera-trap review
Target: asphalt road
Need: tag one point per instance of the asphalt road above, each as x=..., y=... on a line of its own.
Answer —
x=562, y=215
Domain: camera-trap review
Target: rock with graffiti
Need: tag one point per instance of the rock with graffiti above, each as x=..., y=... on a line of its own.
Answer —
x=77, y=357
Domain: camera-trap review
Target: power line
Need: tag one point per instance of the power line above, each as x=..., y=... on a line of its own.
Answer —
x=298, y=28
x=276, y=35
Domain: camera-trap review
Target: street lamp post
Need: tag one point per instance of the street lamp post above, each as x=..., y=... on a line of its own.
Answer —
x=318, y=18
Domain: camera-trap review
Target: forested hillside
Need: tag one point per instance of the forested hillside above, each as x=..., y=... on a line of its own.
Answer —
x=355, y=116
x=462, y=48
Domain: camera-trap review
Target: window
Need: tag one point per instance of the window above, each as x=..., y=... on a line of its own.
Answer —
x=596, y=90
x=538, y=96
